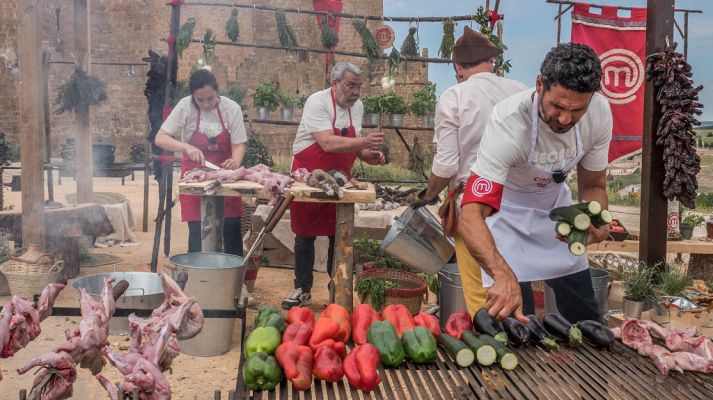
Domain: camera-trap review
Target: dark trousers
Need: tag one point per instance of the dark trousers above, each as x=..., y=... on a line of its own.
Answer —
x=232, y=237
x=304, y=261
x=574, y=295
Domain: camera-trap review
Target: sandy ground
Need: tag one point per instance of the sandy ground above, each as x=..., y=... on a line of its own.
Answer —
x=192, y=377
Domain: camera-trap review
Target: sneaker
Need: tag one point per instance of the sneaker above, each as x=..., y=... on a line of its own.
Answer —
x=297, y=298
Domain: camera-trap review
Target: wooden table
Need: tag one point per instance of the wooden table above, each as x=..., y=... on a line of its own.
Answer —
x=212, y=215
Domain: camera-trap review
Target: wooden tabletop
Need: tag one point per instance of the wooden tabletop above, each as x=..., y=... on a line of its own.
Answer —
x=692, y=246
x=302, y=192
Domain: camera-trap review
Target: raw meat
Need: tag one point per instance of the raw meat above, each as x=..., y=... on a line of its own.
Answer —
x=273, y=181
x=5, y=320
x=47, y=298
x=633, y=333
x=301, y=174
x=663, y=359
x=59, y=387
x=691, y=362
x=616, y=332
x=700, y=346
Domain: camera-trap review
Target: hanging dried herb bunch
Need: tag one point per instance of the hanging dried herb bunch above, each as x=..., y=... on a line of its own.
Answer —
x=284, y=31
x=329, y=36
x=448, y=40
x=232, y=30
x=184, y=37
x=409, y=47
x=256, y=151
x=416, y=157
x=368, y=43
x=671, y=74
x=80, y=92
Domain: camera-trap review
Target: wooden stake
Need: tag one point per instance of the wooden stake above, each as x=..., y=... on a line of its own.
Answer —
x=23, y=394
x=147, y=164
x=216, y=395
x=654, y=206
x=342, y=289
x=46, y=106
x=559, y=24
x=159, y=215
x=32, y=136
x=83, y=142
x=685, y=35
x=212, y=220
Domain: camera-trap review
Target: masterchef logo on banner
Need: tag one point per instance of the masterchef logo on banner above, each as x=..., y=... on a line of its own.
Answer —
x=620, y=44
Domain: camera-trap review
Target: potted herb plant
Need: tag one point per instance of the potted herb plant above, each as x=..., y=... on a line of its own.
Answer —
x=673, y=282
x=288, y=101
x=373, y=108
x=396, y=107
x=266, y=99
x=637, y=285
x=423, y=104
x=688, y=222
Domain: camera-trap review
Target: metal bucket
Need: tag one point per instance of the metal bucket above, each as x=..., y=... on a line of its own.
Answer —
x=215, y=279
x=427, y=121
x=286, y=114
x=417, y=239
x=600, y=284
x=263, y=113
x=396, y=119
x=144, y=292
x=451, y=298
x=372, y=119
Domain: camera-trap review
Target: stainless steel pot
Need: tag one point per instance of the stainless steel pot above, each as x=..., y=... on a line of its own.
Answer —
x=144, y=292
x=396, y=119
x=372, y=119
x=286, y=114
x=633, y=309
x=427, y=121
x=263, y=113
x=215, y=279
x=451, y=298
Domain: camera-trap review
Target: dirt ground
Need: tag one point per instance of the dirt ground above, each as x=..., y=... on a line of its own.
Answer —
x=192, y=377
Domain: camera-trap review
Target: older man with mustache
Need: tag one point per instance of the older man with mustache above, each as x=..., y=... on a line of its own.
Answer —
x=329, y=137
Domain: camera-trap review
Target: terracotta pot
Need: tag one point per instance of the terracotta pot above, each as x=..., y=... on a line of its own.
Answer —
x=686, y=231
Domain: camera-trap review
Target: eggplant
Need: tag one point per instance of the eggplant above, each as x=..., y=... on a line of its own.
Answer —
x=517, y=332
x=596, y=333
x=562, y=330
x=539, y=333
x=485, y=324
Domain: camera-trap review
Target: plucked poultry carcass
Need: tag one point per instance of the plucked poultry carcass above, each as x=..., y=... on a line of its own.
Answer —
x=59, y=387
x=5, y=319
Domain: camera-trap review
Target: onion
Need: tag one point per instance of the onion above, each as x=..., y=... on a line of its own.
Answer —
x=208, y=68
x=384, y=79
x=199, y=62
x=385, y=86
x=392, y=83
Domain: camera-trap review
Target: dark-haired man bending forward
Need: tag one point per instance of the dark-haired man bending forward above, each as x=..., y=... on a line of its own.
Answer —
x=532, y=141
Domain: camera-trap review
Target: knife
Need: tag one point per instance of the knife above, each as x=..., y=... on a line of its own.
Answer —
x=211, y=166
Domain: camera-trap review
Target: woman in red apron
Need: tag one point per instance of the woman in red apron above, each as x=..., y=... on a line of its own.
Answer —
x=210, y=140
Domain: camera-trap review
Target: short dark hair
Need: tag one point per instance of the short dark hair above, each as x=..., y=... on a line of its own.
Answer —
x=199, y=80
x=470, y=65
x=573, y=66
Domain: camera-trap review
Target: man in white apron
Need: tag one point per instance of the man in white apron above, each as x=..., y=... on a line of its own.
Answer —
x=532, y=142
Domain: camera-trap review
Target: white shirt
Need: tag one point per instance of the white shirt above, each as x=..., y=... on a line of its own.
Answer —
x=508, y=138
x=183, y=120
x=461, y=116
x=317, y=116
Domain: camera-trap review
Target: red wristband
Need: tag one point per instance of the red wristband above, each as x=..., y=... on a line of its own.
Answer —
x=481, y=190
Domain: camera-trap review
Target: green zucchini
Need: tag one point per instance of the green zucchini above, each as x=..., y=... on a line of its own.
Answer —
x=602, y=219
x=459, y=352
x=591, y=207
x=577, y=242
x=562, y=228
x=571, y=215
x=484, y=353
x=506, y=358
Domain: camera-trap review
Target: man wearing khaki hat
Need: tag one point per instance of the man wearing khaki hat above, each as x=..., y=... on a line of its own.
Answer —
x=462, y=114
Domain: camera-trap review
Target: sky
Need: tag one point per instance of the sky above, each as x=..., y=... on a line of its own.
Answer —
x=529, y=31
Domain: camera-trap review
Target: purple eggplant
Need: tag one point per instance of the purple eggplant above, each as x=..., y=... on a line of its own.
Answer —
x=539, y=334
x=562, y=329
x=518, y=334
x=596, y=333
x=485, y=324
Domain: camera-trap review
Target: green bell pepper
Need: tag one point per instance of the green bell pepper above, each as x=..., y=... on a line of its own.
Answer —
x=276, y=321
x=261, y=372
x=264, y=312
x=419, y=345
x=264, y=339
x=383, y=336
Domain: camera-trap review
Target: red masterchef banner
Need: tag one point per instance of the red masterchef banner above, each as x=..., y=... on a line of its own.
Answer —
x=621, y=46
x=328, y=6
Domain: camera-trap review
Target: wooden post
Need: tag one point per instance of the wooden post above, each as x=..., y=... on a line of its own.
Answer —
x=32, y=138
x=685, y=37
x=559, y=24
x=654, y=206
x=83, y=142
x=147, y=163
x=342, y=289
x=46, y=106
x=212, y=220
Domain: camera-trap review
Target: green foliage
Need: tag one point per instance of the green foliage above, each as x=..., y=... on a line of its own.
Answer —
x=409, y=47
x=208, y=50
x=704, y=202
x=301, y=102
x=5, y=249
x=232, y=30
x=638, y=284
x=8, y=208
x=448, y=39
x=328, y=37
x=395, y=59
x=376, y=288
x=394, y=104
x=184, y=37
x=288, y=99
x=85, y=255
x=373, y=103
x=433, y=284
x=423, y=101
x=710, y=134
x=266, y=95
x=691, y=219
x=483, y=20
x=388, y=172
x=264, y=259
x=256, y=151
x=236, y=93
x=80, y=92
x=179, y=91
x=366, y=250
x=284, y=31
x=368, y=44
x=672, y=282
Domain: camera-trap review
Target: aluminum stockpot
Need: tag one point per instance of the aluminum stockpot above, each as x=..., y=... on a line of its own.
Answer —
x=451, y=298
x=417, y=239
x=144, y=292
x=215, y=279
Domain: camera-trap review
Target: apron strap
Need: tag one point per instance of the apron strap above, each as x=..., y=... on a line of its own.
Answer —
x=198, y=120
x=220, y=117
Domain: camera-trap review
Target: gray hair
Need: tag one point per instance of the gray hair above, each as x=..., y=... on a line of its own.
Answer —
x=340, y=68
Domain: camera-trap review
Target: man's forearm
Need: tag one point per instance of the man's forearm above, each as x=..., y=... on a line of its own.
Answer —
x=336, y=144
x=594, y=193
x=436, y=184
x=480, y=242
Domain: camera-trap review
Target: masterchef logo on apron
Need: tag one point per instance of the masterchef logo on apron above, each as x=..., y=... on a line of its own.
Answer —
x=543, y=182
x=213, y=147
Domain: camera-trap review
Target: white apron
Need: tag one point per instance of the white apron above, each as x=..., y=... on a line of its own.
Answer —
x=522, y=230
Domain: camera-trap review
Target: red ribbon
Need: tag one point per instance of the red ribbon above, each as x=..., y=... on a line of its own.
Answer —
x=494, y=17
x=171, y=40
x=166, y=111
x=176, y=3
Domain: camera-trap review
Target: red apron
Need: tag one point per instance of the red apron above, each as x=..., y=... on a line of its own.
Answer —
x=319, y=219
x=215, y=150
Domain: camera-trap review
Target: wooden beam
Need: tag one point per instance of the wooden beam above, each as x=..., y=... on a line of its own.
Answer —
x=685, y=36
x=294, y=123
x=46, y=107
x=147, y=163
x=83, y=132
x=654, y=206
x=620, y=8
x=559, y=24
x=561, y=12
x=32, y=138
x=342, y=289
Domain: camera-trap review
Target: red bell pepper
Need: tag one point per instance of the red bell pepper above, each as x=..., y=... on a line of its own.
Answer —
x=400, y=318
x=339, y=314
x=324, y=334
x=297, y=362
x=429, y=322
x=327, y=365
x=297, y=332
x=458, y=323
x=301, y=314
x=362, y=318
x=361, y=365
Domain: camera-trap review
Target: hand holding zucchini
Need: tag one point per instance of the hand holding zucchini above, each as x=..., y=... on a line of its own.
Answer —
x=483, y=323
x=572, y=216
x=540, y=334
x=573, y=222
x=563, y=330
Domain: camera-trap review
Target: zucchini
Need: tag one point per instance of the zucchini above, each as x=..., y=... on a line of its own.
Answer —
x=591, y=207
x=506, y=358
x=577, y=242
x=484, y=353
x=602, y=219
x=571, y=215
x=562, y=228
x=459, y=352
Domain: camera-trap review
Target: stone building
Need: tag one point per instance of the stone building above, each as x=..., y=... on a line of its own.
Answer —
x=123, y=31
